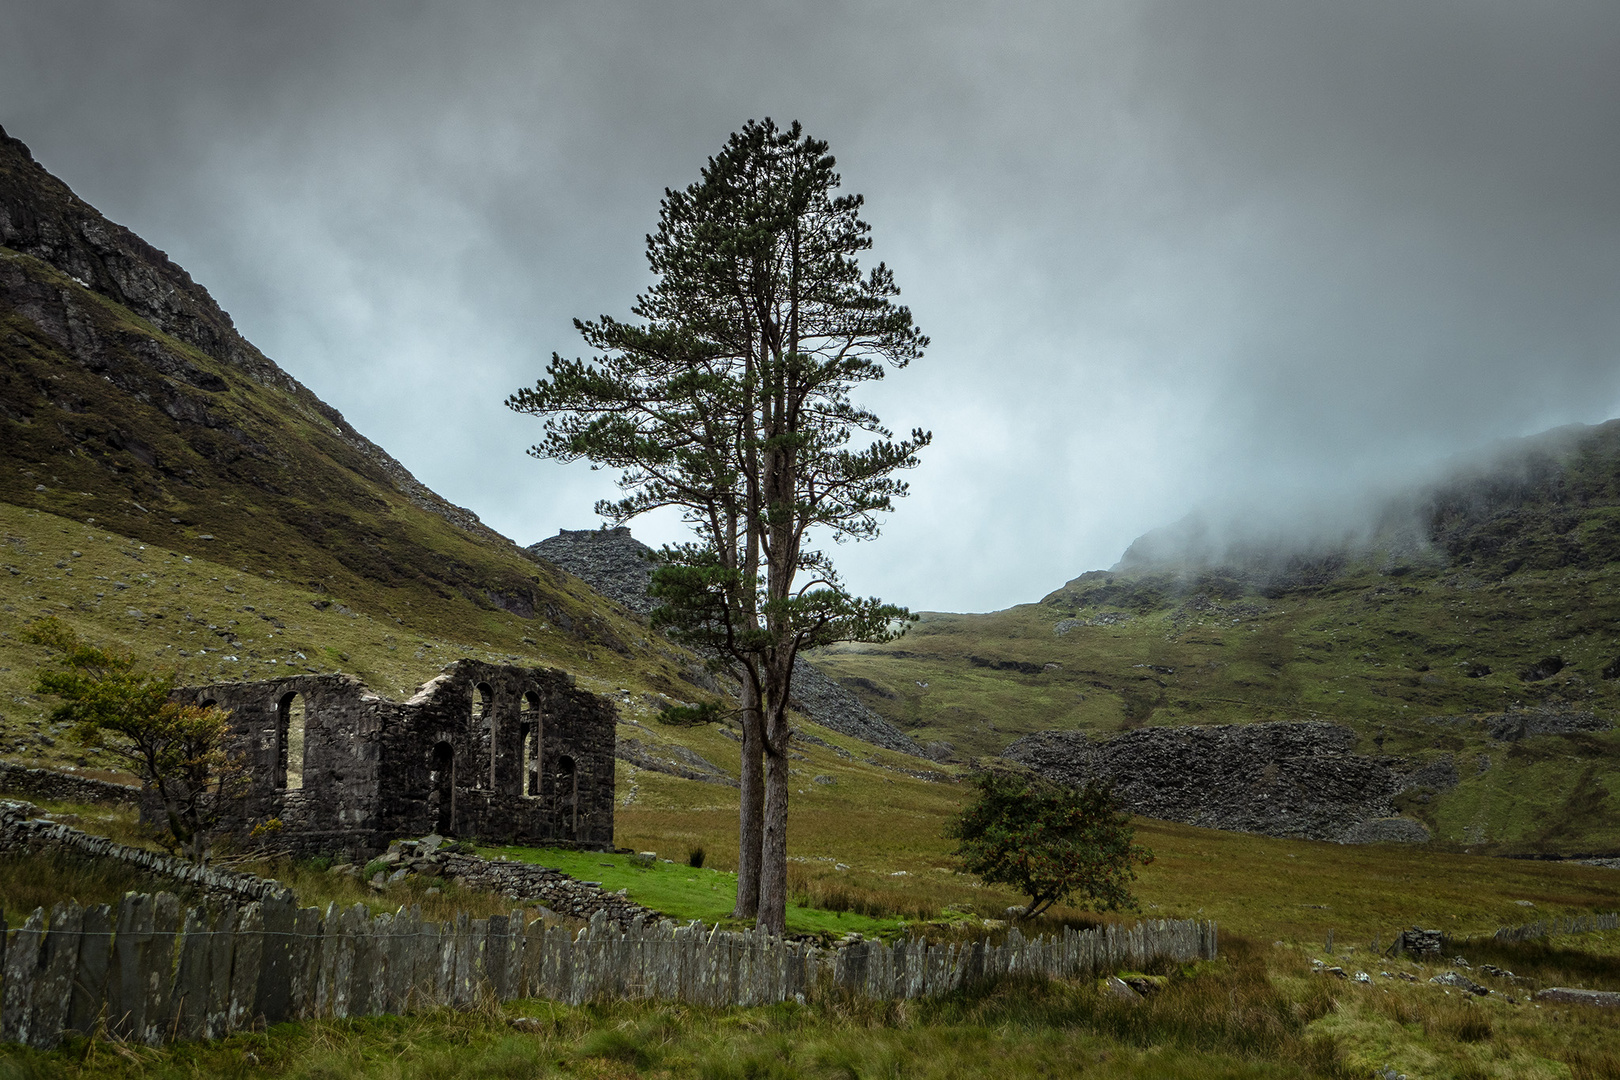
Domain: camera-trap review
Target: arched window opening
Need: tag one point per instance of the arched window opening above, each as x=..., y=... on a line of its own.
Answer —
x=290, y=725
x=568, y=797
x=531, y=733
x=484, y=735
x=442, y=788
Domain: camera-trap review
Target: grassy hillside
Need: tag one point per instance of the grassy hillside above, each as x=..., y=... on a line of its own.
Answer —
x=1505, y=605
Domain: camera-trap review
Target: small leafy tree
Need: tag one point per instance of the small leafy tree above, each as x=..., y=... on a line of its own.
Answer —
x=1050, y=842
x=178, y=751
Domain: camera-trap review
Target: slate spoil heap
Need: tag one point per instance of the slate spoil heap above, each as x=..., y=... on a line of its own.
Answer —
x=1278, y=779
x=525, y=883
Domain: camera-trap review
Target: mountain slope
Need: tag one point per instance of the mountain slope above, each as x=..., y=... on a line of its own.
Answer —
x=1476, y=622
x=131, y=401
x=166, y=488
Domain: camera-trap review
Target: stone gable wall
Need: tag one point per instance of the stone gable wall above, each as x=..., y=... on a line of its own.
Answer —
x=452, y=759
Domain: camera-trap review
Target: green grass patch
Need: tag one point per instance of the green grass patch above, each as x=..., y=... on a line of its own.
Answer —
x=683, y=892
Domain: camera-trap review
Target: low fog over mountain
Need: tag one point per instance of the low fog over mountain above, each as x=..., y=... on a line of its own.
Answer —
x=1172, y=255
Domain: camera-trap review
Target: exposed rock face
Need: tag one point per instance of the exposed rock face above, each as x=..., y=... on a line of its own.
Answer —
x=620, y=567
x=675, y=760
x=40, y=216
x=1516, y=725
x=1279, y=779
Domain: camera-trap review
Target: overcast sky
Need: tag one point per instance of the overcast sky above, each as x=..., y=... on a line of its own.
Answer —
x=1256, y=254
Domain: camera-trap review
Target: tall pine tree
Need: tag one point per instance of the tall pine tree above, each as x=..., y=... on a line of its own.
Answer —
x=729, y=398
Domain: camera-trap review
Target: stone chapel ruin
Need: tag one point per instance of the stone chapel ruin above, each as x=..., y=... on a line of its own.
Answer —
x=507, y=754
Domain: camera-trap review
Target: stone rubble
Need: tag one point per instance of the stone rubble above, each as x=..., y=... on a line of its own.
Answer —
x=1279, y=779
x=1459, y=982
x=527, y=883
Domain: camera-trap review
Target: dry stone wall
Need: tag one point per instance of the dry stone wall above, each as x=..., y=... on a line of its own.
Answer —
x=61, y=786
x=523, y=883
x=22, y=834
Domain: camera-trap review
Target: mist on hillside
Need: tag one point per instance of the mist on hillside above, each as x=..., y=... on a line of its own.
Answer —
x=1254, y=257
x=1311, y=536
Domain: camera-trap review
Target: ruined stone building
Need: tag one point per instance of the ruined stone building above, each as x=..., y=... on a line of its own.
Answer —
x=505, y=754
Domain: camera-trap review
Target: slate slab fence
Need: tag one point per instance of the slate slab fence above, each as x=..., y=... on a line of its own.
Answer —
x=1576, y=924
x=147, y=971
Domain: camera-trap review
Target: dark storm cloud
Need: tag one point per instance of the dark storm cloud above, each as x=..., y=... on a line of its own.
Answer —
x=1255, y=254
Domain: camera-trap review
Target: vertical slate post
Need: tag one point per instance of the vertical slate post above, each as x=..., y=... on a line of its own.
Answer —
x=55, y=990
x=306, y=964
x=532, y=980
x=377, y=970
x=126, y=998
x=275, y=965
x=221, y=953
x=248, y=953
x=22, y=971
x=190, y=994
x=90, y=979
x=430, y=965
x=343, y=938
x=495, y=949
x=326, y=981
x=157, y=969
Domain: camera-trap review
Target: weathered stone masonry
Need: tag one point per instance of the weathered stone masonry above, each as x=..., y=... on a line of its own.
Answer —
x=505, y=754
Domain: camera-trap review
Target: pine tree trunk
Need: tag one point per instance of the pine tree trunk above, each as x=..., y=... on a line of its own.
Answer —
x=772, y=917
x=751, y=815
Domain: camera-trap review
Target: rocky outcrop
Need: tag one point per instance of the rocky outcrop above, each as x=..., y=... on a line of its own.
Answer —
x=1279, y=779
x=611, y=561
x=1526, y=723
x=620, y=567
x=40, y=216
x=674, y=760
x=832, y=706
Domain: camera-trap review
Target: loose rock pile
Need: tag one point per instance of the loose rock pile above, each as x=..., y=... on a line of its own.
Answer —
x=1278, y=779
